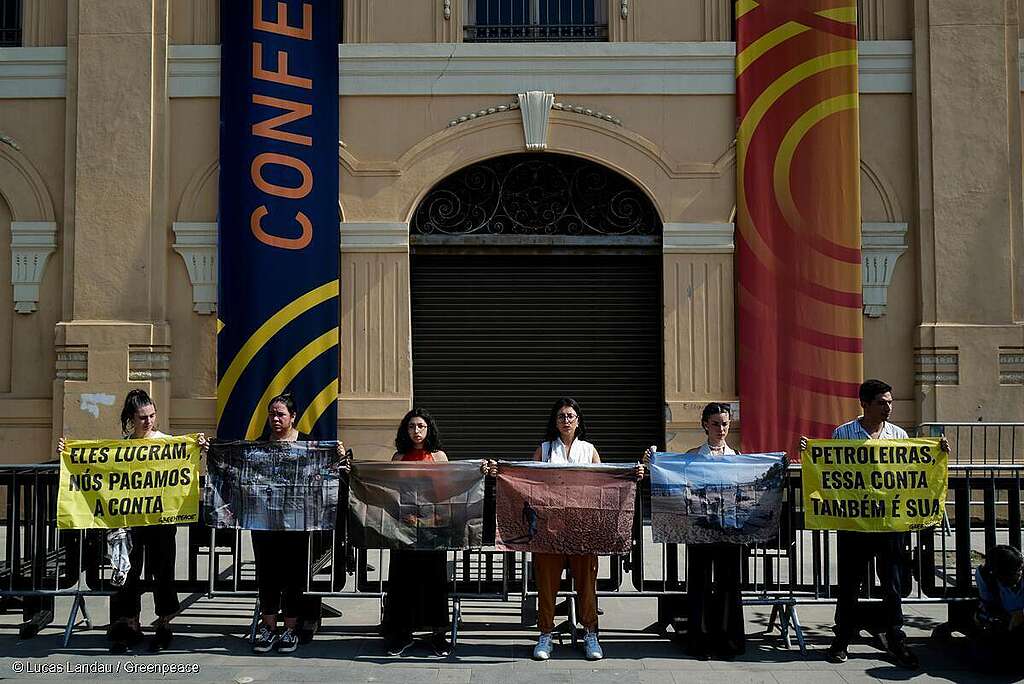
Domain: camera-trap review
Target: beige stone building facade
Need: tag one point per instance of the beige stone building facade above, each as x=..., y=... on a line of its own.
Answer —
x=109, y=174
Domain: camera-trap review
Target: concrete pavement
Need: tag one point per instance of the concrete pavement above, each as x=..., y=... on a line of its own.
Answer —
x=211, y=642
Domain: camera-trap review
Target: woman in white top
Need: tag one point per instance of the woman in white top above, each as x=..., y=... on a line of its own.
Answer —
x=564, y=444
x=715, y=615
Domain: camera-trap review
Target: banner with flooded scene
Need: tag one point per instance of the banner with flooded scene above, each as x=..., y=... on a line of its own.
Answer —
x=272, y=485
x=698, y=499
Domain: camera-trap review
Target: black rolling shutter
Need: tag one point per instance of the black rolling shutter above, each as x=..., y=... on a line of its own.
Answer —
x=497, y=338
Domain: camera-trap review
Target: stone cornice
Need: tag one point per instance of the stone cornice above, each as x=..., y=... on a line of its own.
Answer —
x=698, y=238
x=33, y=72
x=374, y=237
x=693, y=68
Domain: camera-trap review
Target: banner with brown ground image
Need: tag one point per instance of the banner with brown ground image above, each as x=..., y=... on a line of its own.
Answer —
x=575, y=509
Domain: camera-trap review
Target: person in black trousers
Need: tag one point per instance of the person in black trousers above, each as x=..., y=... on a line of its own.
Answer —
x=282, y=556
x=152, y=553
x=858, y=549
x=714, y=622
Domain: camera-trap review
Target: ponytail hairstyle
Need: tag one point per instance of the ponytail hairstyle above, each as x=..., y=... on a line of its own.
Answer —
x=133, y=401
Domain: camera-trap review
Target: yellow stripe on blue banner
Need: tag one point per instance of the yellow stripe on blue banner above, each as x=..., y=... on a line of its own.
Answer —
x=302, y=358
x=264, y=333
x=316, y=408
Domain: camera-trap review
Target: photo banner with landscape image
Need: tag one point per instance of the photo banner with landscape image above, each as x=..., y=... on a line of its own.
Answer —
x=128, y=482
x=874, y=485
x=571, y=509
x=698, y=499
x=416, y=505
x=272, y=485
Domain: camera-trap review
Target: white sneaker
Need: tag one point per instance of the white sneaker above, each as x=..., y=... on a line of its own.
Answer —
x=545, y=644
x=592, y=649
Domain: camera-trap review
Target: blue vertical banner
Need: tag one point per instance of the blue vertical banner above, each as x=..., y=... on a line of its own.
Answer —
x=278, y=240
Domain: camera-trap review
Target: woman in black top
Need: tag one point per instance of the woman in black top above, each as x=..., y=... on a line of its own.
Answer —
x=282, y=556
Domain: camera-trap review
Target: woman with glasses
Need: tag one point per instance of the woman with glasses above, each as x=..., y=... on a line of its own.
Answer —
x=417, y=596
x=564, y=443
x=417, y=580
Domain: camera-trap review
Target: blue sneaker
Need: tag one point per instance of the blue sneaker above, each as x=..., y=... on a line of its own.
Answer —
x=545, y=644
x=592, y=649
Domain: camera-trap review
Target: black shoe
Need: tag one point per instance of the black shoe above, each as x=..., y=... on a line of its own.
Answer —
x=400, y=645
x=161, y=639
x=266, y=637
x=699, y=652
x=288, y=641
x=731, y=649
x=123, y=636
x=441, y=647
x=879, y=641
x=836, y=653
x=135, y=637
x=30, y=628
x=903, y=657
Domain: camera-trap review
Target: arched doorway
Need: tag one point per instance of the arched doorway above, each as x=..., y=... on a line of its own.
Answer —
x=535, y=276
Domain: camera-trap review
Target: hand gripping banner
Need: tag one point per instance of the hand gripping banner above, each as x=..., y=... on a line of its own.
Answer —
x=698, y=499
x=874, y=485
x=278, y=245
x=798, y=218
x=272, y=485
x=571, y=509
x=128, y=482
x=416, y=505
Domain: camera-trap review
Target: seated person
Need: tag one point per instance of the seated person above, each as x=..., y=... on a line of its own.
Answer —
x=999, y=636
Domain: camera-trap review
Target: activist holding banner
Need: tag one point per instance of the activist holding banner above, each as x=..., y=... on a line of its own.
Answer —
x=282, y=555
x=418, y=511
x=137, y=492
x=714, y=500
x=859, y=544
x=520, y=524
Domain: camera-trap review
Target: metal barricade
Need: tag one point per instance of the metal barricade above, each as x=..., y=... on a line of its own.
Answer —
x=980, y=443
x=799, y=566
x=40, y=562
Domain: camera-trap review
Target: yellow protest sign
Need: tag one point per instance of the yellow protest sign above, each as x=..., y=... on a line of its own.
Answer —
x=873, y=485
x=128, y=482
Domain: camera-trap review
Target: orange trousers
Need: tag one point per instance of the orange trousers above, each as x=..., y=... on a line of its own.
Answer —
x=547, y=570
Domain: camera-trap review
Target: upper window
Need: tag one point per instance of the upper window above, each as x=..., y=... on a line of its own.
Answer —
x=10, y=23
x=514, y=21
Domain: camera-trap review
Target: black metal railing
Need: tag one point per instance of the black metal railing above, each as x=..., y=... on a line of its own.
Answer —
x=983, y=508
x=524, y=21
x=534, y=33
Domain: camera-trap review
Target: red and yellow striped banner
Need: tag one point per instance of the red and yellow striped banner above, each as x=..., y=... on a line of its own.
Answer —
x=798, y=214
